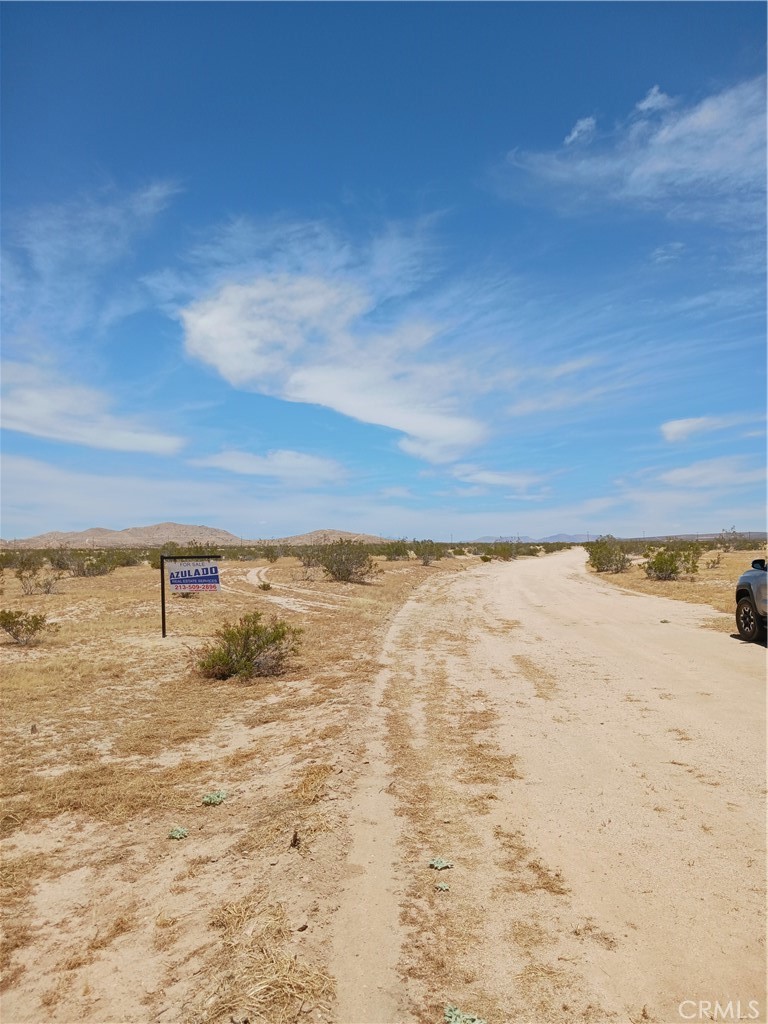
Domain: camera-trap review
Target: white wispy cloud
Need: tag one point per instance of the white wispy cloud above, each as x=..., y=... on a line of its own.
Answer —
x=670, y=252
x=654, y=99
x=471, y=474
x=715, y=474
x=37, y=401
x=57, y=257
x=283, y=465
x=681, y=430
x=696, y=159
x=564, y=398
x=582, y=131
x=334, y=331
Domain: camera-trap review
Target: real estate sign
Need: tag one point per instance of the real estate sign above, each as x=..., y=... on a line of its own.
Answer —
x=192, y=575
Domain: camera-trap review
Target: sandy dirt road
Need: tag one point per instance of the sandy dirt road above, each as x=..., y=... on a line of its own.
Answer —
x=592, y=763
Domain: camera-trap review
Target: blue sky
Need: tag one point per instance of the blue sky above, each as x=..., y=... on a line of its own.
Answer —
x=409, y=269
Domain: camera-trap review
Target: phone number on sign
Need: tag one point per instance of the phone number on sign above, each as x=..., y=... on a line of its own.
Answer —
x=195, y=586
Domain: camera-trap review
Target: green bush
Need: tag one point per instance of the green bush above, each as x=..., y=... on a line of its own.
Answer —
x=395, y=551
x=99, y=564
x=607, y=555
x=248, y=648
x=428, y=552
x=346, y=562
x=485, y=558
x=23, y=627
x=309, y=556
x=504, y=551
x=672, y=563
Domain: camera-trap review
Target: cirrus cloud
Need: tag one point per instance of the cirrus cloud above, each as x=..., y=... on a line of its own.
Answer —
x=40, y=403
x=342, y=339
x=284, y=465
x=701, y=159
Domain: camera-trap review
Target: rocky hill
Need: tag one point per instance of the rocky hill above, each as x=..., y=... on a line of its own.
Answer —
x=166, y=533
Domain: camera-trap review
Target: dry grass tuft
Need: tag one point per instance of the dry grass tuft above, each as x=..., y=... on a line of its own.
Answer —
x=107, y=792
x=526, y=874
x=17, y=876
x=312, y=786
x=253, y=975
x=543, y=682
x=15, y=935
x=120, y=925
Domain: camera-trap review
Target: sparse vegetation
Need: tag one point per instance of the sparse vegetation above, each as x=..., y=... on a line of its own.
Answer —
x=249, y=648
x=347, y=562
x=36, y=581
x=25, y=628
x=607, y=555
x=428, y=552
x=395, y=551
x=670, y=563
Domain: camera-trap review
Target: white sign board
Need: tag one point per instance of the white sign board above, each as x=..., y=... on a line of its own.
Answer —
x=192, y=575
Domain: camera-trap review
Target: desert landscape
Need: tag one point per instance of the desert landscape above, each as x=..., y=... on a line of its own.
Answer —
x=502, y=790
x=383, y=525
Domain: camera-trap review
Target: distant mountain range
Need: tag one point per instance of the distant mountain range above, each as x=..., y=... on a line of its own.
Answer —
x=557, y=538
x=181, y=533
x=177, y=533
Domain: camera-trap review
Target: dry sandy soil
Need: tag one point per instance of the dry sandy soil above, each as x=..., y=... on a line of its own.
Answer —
x=590, y=762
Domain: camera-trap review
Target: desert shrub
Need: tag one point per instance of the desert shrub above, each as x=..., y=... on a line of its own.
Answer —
x=309, y=556
x=505, y=552
x=124, y=557
x=248, y=648
x=26, y=561
x=34, y=579
x=672, y=563
x=83, y=564
x=60, y=558
x=395, y=551
x=265, y=586
x=24, y=627
x=28, y=578
x=607, y=555
x=732, y=540
x=346, y=562
x=458, y=551
x=47, y=581
x=270, y=553
x=427, y=551
x=485, y=558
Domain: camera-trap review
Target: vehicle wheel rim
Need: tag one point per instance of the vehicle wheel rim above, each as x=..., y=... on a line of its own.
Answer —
x=746, y=620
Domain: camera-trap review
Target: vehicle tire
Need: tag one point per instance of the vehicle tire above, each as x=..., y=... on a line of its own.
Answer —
x=748, y=622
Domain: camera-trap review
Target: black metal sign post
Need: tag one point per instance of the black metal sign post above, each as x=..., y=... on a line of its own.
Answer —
x=177, y=558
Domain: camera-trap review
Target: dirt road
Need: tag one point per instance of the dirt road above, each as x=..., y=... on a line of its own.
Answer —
x=592, y=764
